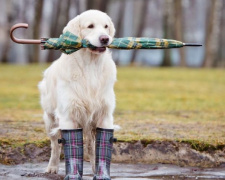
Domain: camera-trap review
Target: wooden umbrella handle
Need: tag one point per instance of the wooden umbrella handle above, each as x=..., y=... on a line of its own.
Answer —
x=22, y=41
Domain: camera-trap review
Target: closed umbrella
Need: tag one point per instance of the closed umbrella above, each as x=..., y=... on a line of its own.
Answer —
x=69, y=43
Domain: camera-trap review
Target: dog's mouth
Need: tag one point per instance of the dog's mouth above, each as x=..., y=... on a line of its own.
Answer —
x=98, y=49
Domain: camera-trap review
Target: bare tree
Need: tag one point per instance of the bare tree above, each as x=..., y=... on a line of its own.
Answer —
x=10, y=15
x=219, y=60
x=141, y=26
x=178, y=14
x=212, y=33
x=60, y=17
x=167, y=28
x=36, y=29
x=61, y=22
x=103, y=5
x=78, y=6
x=119, y=25
x=63, y=16
x=90, y=4
x=53, y=32
x=221, y=57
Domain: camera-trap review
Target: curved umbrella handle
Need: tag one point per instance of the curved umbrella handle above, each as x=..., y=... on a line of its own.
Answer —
x=22, y=41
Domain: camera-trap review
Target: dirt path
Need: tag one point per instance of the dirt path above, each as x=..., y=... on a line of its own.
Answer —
x=118, y=172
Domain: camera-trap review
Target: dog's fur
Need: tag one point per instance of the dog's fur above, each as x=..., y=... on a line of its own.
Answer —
x=77, y=89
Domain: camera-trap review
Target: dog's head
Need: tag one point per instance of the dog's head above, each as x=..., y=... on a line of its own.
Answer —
x=94, y=26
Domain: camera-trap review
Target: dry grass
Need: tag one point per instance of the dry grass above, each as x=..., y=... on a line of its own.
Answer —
x=152, y=104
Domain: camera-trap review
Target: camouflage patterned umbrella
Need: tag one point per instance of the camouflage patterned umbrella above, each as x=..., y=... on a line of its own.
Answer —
x=69, y=43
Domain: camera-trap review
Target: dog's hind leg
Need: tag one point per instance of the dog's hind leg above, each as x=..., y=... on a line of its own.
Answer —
x=53, y=164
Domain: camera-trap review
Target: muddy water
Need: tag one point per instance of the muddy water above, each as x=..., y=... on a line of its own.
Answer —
x=118, y=172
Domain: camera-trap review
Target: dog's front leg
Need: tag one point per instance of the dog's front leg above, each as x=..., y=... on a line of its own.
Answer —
x=103, y=148
x=72, y=140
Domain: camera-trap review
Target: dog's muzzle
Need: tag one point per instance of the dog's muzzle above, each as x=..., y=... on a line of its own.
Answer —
x=104, y=40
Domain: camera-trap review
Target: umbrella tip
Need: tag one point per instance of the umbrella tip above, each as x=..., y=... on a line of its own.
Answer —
x=192, y=44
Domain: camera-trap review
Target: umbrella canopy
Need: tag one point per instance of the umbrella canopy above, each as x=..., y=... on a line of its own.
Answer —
x=69, y=43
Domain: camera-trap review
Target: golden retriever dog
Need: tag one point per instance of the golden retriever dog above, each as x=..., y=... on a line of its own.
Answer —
x=77, y=89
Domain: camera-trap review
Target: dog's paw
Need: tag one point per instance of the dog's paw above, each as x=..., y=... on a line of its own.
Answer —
x=52, y=169
x=116, y=127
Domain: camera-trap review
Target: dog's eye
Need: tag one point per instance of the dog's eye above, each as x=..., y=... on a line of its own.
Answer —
x=106, y=26
x=91, y=26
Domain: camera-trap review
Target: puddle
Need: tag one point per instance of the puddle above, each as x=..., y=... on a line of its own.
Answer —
x=118, y=172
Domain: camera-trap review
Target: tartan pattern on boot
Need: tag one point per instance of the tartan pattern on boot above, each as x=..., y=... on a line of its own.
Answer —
x=104, y=146
x=73, y=152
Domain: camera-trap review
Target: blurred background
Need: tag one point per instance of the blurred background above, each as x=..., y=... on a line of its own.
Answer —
x=196, y=21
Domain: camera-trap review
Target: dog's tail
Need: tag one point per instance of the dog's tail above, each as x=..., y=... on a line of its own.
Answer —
x=116, y=127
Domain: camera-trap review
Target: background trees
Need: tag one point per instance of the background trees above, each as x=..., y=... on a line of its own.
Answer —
x=199, y=21
x=213, y=33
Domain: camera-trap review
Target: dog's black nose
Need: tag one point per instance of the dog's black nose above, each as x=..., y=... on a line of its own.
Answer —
x=104, y=39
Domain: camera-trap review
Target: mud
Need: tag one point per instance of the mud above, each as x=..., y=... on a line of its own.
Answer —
x=118, y=172
x=27, y=153
x=167, y=152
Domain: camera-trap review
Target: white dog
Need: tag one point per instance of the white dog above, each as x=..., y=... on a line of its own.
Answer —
x=77, y=89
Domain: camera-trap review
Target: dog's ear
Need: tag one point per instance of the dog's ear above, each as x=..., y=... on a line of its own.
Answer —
x=111, y=28
x=73, y=26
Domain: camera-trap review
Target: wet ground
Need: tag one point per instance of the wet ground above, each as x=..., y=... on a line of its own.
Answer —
x=118, y=172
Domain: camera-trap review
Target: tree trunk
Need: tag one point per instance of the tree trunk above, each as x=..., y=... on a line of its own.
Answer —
x=9, y=17
x=222, y=42
x=90, y=4
x=212, y=33
x=179, y=29
x=78, y=6
x=120, y=19
x=119, y=25
x=36, y=30
x=103, y=5
x=61, y=22
x=53, y=33
x=141, y=27
x=167, y=28
x=63, y=16
x=60, y=18
x=221, y=37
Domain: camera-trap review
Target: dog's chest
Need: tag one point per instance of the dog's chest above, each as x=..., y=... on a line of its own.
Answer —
x=84, y=90
x=90, y=81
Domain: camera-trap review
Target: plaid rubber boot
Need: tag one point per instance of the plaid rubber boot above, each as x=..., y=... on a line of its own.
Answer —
x=104, y=144
x=72, y=141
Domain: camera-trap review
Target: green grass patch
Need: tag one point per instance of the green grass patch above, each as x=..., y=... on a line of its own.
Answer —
x=174, y=104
